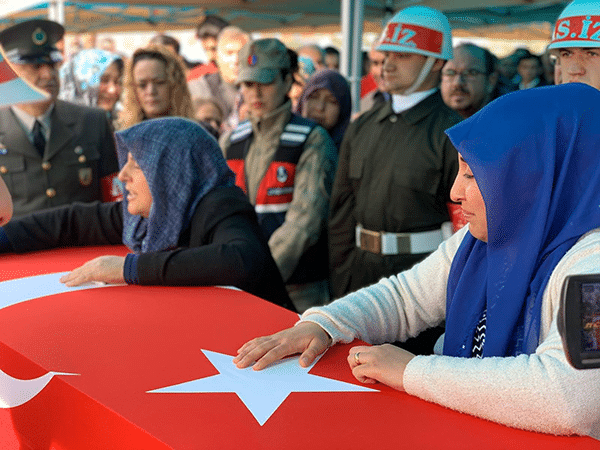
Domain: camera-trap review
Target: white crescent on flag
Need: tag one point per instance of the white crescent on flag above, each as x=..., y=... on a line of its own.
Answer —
x=261, y=392
x=15, y=90
x=13, y=391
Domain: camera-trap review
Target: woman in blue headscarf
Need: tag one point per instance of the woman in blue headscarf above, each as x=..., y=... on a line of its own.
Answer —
x=529, y=186
x=183, y=218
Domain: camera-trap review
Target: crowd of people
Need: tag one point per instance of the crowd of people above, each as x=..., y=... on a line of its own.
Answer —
x=437, y=223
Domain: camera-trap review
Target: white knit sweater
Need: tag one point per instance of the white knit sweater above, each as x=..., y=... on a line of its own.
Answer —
x=540, y=392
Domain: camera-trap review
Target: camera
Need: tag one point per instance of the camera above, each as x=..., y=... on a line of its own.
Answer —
x=579, y=320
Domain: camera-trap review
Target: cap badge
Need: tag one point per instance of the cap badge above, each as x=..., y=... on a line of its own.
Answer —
x=252, y=60
x=39, y=36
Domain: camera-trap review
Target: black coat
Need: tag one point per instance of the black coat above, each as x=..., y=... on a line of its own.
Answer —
x=223, y=245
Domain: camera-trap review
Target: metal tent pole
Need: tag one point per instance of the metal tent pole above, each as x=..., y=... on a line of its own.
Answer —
x=352, y=16
x=56, y=11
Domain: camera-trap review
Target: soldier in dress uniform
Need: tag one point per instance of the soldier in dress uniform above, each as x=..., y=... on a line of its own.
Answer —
x=396, y=165
x=51, y=152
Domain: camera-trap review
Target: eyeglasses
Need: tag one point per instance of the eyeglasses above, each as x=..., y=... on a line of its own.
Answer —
x=470, y=74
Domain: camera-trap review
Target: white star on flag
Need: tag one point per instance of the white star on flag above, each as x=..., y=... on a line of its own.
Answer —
x=261, y=391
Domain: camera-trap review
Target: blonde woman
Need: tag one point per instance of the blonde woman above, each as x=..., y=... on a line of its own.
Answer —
x=154, y=86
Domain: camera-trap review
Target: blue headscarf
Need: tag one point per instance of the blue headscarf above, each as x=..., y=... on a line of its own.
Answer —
x=335, y=83
x=182, y=163
x=535, y=155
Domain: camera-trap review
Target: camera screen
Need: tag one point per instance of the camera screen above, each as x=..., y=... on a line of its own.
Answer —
x=590, y=317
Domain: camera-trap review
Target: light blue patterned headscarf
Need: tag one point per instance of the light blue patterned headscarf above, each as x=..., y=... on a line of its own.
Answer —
x=80, y=76
x=182, y=163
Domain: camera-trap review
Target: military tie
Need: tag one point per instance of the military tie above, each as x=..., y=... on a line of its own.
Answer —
x=39, y=141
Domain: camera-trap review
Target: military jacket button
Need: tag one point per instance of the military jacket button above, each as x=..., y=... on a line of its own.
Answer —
x=46, y=165
x=393, y=119
x=82, y=159
x=50, y=192
x=3, y=169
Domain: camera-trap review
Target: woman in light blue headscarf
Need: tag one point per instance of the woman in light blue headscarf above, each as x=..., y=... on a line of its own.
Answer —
x=183, y=218
x=529, y=186
x=93, y=77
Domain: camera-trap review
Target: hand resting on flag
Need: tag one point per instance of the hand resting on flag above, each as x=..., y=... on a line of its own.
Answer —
x=530, y=197
x=107, y=269
x=306, y=338
x=378, y=363
x=183, y=218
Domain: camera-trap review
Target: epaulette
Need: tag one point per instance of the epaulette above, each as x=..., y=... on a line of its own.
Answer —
x=243, y=130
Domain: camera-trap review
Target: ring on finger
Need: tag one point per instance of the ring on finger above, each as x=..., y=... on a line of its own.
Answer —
x=357, y=358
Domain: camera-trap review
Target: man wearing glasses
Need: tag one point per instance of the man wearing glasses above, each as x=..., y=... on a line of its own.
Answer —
x=469, y=79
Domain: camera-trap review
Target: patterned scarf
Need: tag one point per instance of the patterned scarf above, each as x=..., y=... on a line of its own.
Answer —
x=536, y=157
x=80, y=76
x=182, y=163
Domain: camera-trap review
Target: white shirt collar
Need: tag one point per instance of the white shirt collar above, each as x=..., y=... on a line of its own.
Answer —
x=533, y=83
x=27, y=121
x=402, y=103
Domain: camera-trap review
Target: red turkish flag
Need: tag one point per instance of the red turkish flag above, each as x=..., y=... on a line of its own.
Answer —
x=124, y=341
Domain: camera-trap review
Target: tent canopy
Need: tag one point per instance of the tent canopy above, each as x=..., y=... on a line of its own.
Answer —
x=261, y=15
x=351, y=16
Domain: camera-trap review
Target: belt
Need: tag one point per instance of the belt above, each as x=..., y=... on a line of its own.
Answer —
x=384, y=243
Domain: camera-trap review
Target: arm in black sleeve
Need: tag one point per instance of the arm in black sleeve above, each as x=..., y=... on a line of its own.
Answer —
x=225, y=247
x=71, y=225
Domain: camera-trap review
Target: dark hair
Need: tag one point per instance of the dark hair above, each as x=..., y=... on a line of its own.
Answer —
x=529, y=55
x=163, y=39
x=489, y=59
x=293, y=54
x=366, y=63
x=519, y=52
x=120, y=65
x=332, y=51
x=210, y=26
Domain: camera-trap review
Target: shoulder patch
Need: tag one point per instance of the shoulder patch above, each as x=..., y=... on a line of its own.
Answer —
x=242, y=131
x=295, y=134
x=293, y=138
x=294, y=128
